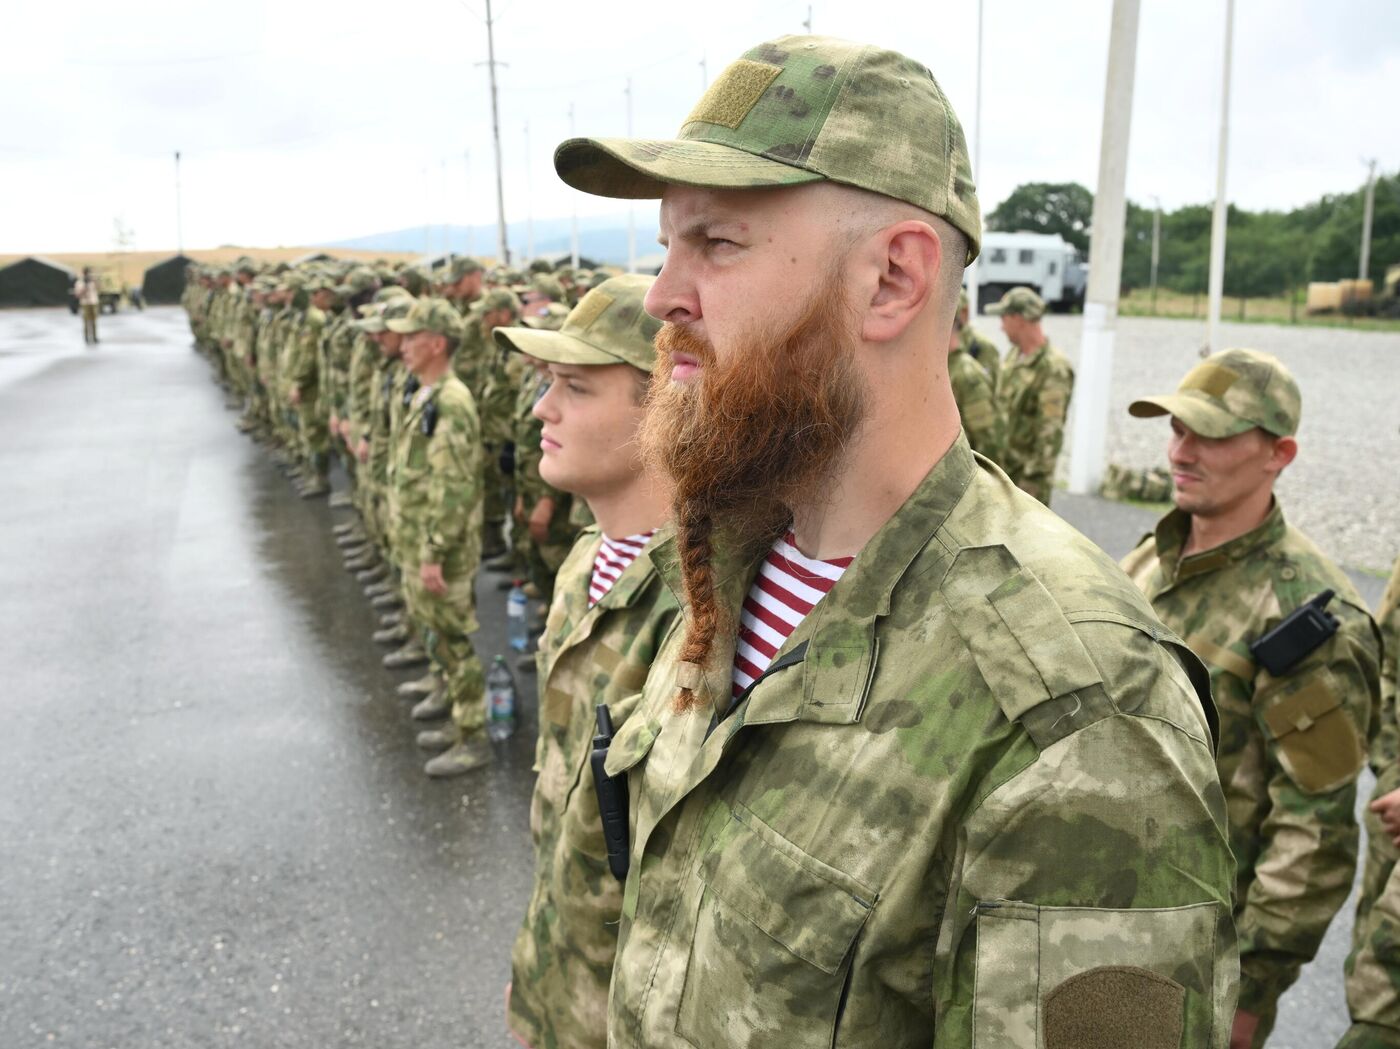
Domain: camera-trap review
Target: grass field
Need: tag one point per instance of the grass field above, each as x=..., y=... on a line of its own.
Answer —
x=1138, y=303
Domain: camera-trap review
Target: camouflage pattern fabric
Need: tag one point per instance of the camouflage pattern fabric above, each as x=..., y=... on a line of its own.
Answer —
x=1149, y=486
x=435, y=501
x=983, y=351
x=1034, y=392
x=303, y=375
x=1290, y=747
x=1373, y=968
x=977, y=404
x=976, y=786
x=563, y=954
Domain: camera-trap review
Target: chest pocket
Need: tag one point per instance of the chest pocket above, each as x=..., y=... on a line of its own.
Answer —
x=771, y=949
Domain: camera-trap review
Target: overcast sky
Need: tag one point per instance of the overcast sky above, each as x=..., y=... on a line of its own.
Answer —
x=307, y=121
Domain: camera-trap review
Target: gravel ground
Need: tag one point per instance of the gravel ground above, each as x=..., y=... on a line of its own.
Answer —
x=1344, y=488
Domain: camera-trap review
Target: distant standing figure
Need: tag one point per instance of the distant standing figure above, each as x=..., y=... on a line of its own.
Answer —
x=85, y=290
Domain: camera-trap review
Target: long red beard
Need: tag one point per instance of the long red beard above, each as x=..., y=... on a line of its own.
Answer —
x=748, y=438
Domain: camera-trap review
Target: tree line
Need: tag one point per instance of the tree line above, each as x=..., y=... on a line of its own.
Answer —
x=1266, y=252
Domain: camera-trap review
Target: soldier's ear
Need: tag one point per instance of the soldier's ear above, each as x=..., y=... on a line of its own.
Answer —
x=1285, y=450
x=906, y=256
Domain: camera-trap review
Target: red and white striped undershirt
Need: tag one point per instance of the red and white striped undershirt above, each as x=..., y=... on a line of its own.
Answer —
x=788, y=586
x=612, y=560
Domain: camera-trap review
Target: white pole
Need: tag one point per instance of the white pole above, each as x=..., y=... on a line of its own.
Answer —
x=1156, y=245
x=446, y=222
x=573, y=219
x=973, y=288
x=1368, y=209
x=502, y=250
x=704, y=74
x=1095, y=376
x=427, y=220
x=631, y=211
x=179, y=211
x=1217, y=222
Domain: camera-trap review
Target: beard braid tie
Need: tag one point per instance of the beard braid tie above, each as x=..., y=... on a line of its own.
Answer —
x=694, y=526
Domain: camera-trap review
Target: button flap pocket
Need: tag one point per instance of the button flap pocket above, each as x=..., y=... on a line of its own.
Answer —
x=1318, y=746
x=809, y=907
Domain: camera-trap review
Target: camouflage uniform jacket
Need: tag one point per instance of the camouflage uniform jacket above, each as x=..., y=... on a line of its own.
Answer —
x=435, y=479
x=1373, y=969
x=364, y=387
x=245, y=329
x=982, y=350
x=337, y=348
x=1290, y=747
x=303, y=355
x=975, y=782
x=471, y=363
x=977, y=404
x=563, y=954
x=1034, y=391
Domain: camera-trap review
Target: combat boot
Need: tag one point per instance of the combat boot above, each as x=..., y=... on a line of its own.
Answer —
x=526, y=663
x=314, y=488
x=463, y=758
x=391, y=635
x=434, y=739
x=354, y=537
x=367, y=559
x=389, y=599
x=435, y=705
x=372, y=574
x=411, y=655
x=345, y=527
x=423, y=686
x=502, y=563
x=340, y=500
x=391, y=619
x=361, y=548
x=384, y=586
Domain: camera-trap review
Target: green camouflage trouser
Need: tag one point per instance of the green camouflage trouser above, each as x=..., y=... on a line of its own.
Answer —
x=315, y=435
x=445, y=623
x=1373, y=967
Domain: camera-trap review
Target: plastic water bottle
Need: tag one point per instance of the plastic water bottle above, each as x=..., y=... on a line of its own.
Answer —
x=517, y=622
x=500, y=701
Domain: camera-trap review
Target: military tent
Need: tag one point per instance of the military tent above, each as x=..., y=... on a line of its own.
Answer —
x=164, y=282
x=36, y=281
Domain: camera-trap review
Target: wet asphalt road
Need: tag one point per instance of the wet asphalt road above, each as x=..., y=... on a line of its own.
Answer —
x=214, y=828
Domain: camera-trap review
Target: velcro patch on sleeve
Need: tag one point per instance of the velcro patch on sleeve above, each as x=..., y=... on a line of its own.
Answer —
x=1115, y=1007
x=734, y=93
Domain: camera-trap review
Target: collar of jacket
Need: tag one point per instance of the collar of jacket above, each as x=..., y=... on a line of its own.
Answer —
x=839, y=634
x=1173, y=529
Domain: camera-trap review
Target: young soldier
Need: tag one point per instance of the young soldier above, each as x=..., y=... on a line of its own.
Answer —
x=435, y=499
x=919, y=767
x=1373, y=969
x=1034, y=390
x=1223, y=570
x=611, y=612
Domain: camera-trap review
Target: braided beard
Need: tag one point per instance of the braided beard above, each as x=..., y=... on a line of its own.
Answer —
x=753, y=435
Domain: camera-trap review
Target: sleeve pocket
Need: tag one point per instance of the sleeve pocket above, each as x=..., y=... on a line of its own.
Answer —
x=1054, y=977
x=1317, y=744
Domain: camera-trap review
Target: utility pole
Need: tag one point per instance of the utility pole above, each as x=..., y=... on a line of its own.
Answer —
x=807, y=25
x=973, y=286
x=467, y=196
x=502, y=249
x=631, y=210
x=529, y=201
x=573, y=219
x=1156, y=244
x=446, y=222
x=1368, y=209
x=1095, y=376
x=1217, y=222
x=179, y=211
x=427, y=220
x=704, y=74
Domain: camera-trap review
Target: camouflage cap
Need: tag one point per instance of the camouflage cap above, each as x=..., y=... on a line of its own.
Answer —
x=379, y=314
x=501, y=299
x=459, y=267
x=549, y=317
x=243, y=264
x=436, y=315
x=608, y=326
x=549, y=285
x=359, y=279
x=1230, y=392
x=391, y=291
x=540, y=266
x=1020, y=302
x=321, y=280
x=795, y=110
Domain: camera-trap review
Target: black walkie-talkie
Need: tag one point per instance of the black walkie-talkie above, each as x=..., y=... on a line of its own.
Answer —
x=612, y=797
x=1302, y=631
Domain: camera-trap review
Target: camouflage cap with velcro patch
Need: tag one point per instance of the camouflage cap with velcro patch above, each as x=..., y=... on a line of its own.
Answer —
x=1019, y=302
x=1230, y=392
x=435, y=315
x=360, y=279
x=547, y=284
x=609, y=326
x=501, y=299
x=802, y=109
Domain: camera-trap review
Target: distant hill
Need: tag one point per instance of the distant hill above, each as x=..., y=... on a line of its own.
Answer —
x=601, y=237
